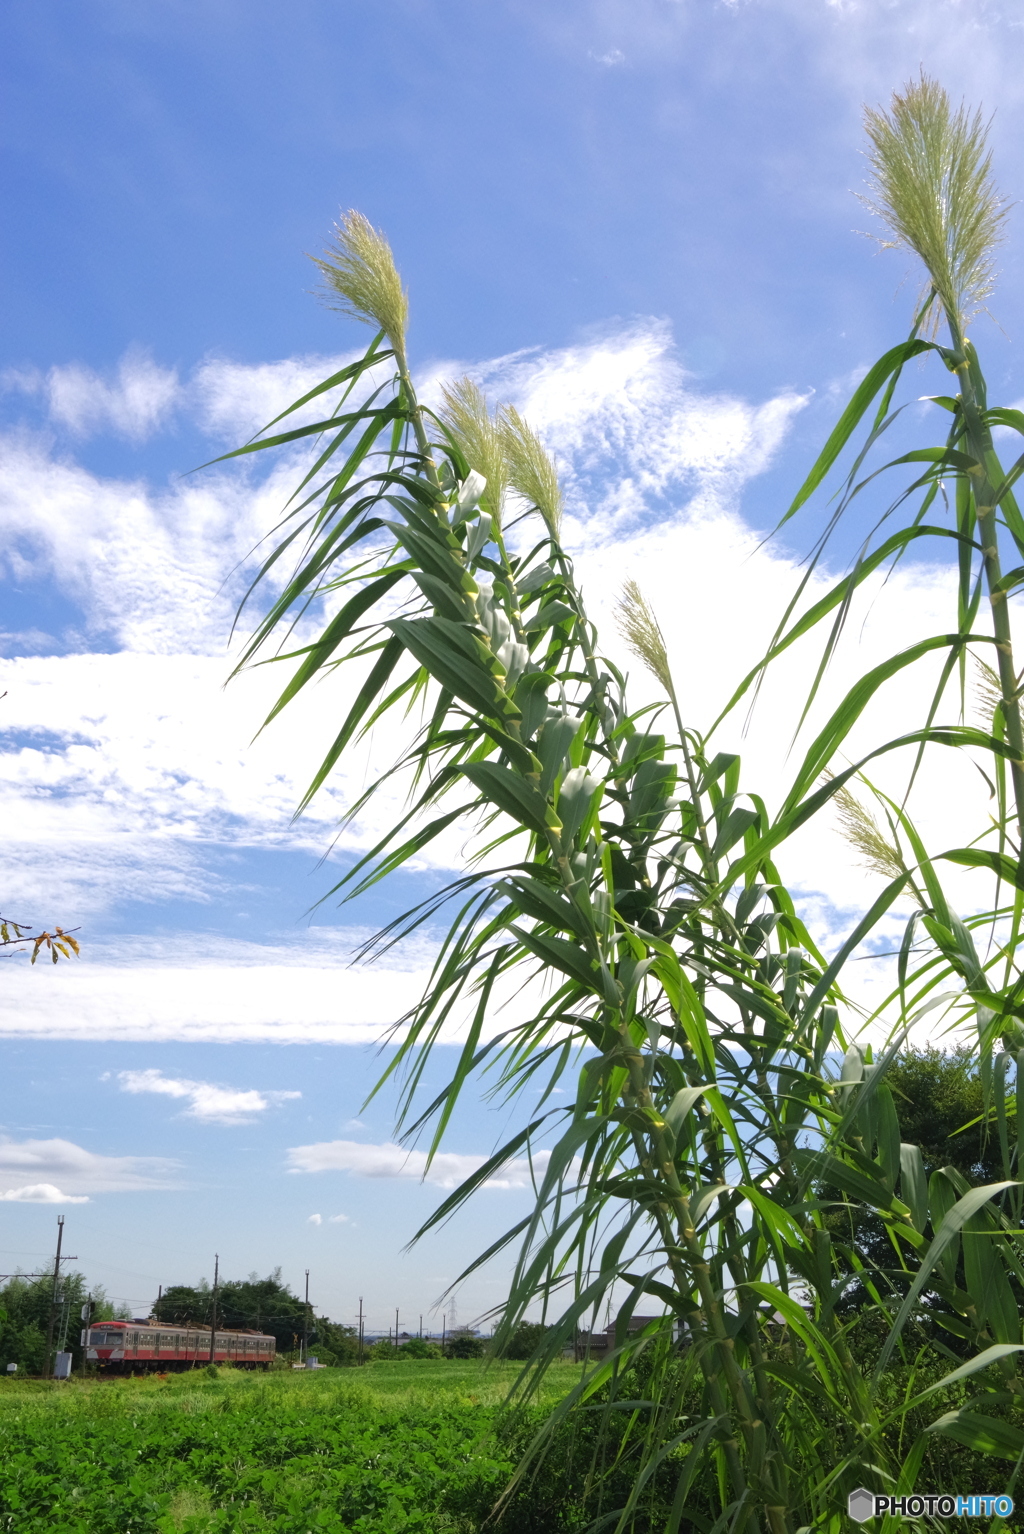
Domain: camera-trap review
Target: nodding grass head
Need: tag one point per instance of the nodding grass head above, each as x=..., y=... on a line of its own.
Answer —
x=360, y=278
x=861, y=830
x=530, y=470
x=479, y=439
x=642, y=633
x=933, y=187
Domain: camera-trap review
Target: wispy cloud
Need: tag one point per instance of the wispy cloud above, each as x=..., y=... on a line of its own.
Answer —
x=208, y=1102
x=123, y=766
x=218, y=990
x=55, y=1165
x=134, y=404
x=447, y=1169
x=138, y=399
x=629, y=428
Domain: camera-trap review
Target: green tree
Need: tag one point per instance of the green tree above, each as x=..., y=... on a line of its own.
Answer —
x=465, y=1347
x=525, y=1340
x=419, y=1347
x=939, y=1098
x=253, y=1303
x=28, y=1302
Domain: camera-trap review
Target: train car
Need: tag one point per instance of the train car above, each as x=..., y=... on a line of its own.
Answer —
x=143, y=1347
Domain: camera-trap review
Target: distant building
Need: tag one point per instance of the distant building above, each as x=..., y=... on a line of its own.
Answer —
x=596, y=1344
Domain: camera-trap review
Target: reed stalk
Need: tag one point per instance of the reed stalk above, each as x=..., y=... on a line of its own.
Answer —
x=716, y=1091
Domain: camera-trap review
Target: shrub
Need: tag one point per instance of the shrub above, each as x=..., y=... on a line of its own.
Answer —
x=465, y=1347
x=419, y=1347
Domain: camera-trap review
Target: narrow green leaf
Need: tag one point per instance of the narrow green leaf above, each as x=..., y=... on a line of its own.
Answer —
x=512, y=794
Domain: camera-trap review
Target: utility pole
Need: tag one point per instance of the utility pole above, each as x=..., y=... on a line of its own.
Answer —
x=396, y=1326
x=305, y=1324
x=213, y=1318
x=53, y=1297
x=360, y=1328
x=421, y=1326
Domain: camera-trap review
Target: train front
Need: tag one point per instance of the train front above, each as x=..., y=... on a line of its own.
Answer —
x=104, y=1342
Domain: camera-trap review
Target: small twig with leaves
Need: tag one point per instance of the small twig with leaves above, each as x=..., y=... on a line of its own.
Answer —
x=58, y=943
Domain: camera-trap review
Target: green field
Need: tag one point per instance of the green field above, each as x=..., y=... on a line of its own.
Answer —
x=386, y=1449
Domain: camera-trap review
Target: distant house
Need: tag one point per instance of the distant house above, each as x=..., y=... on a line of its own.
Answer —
x=595, y=1345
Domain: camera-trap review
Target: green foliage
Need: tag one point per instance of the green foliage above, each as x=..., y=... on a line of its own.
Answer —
x=525, y=1340
x=198, y=1454
x=27, y=1307
x=419, y=1347
x=400, y=1449
x=382, y=1349
x=465, y=1347
x=258, y=1304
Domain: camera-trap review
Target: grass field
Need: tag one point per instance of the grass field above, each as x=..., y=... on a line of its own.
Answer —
x=388, y=1449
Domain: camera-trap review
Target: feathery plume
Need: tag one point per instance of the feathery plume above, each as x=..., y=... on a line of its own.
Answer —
x=859, y=827
x=360, y=278
x=530, y=469
x=642, y=633
x=478, y=438
x=988, y=692
x=933, y=186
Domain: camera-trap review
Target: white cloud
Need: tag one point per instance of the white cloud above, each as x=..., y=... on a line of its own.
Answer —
x=210, y=1103
x=125, y=767
x=60, y=1164
x=316, y=1219
x=135, y=404
x=338, y=1219
x=41, y=1193
x=447, y=1169
x=235, y=400
x=629, y=428
x=183, y=989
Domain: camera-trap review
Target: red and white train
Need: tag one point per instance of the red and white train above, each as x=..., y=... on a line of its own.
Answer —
x=142, y=1347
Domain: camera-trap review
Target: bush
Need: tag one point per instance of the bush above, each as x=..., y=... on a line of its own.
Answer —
x=382, y=1349
x=419, y=1347
x=465, y=1347
x=525, y=1340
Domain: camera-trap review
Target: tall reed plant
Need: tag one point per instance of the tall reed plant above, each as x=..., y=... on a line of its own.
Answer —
x=625, y=892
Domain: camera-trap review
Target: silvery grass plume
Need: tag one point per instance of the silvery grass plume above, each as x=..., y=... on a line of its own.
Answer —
x=479, y=438
x=860, y=828
x=361, y=279
x=530, y=469
x=642, y=633
x=933, y=187
x=988, y=692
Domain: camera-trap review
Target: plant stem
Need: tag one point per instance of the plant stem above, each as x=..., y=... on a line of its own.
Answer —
x=979, y=438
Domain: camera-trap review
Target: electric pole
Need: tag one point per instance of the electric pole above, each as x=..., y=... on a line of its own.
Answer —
x=360, y=1328
x=213, y=1318
x=53, y=1297
x=396, y=1326
x=305, y=1324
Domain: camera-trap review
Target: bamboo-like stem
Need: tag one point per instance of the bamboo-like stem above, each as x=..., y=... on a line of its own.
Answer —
x=416, y=412
x=979, y=438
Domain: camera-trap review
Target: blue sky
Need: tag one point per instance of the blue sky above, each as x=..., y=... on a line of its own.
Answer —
x=636, y=220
